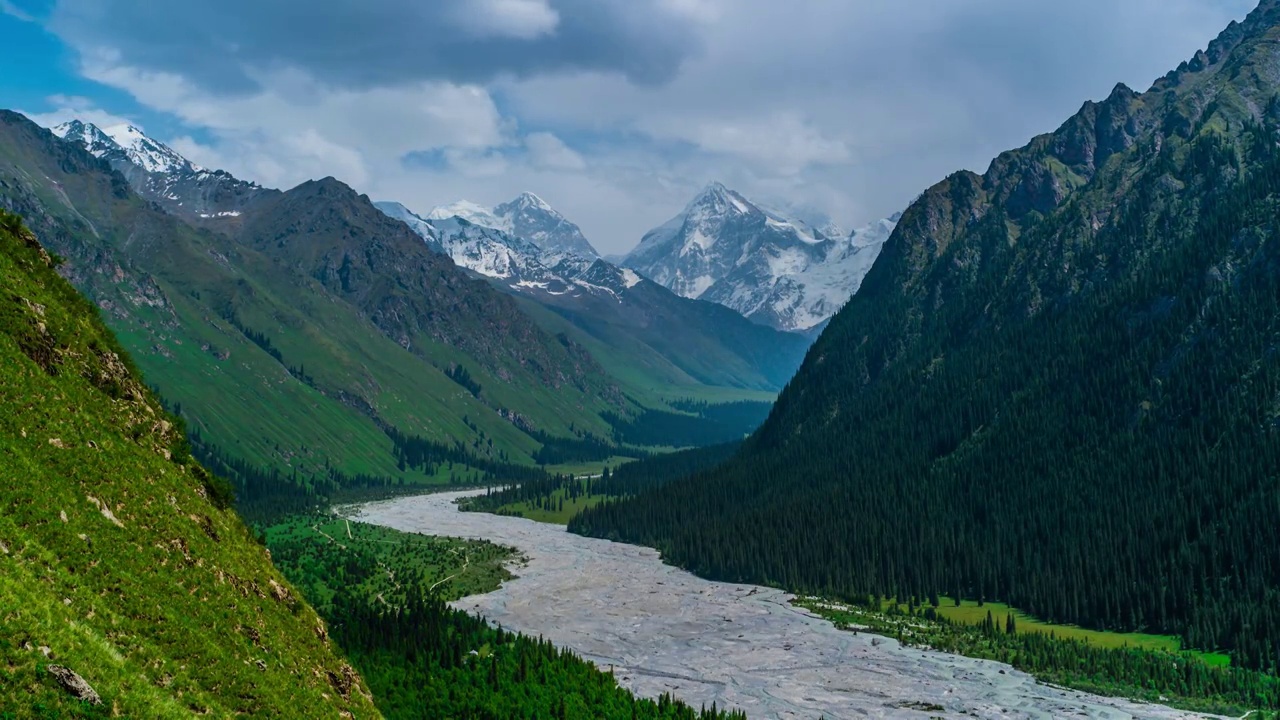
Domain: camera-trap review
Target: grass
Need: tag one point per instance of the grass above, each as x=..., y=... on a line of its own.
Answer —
x=652, y=373
x=559, y=511
x=591, y=468
x=969, y=612
x=172, y=293
x=114, y=559
x=313, y=550
x=1147, y=668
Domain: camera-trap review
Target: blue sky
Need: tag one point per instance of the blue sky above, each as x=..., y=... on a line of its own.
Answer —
x=615, y=111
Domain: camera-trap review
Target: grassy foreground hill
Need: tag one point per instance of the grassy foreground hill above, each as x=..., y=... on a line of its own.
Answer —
x=119, y=558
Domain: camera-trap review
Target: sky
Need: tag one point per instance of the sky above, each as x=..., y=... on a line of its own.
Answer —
x=614, y=111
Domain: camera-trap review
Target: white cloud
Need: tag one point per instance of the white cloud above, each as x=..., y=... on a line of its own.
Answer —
x=71, y=107
x=8, y=8
x=295, y=129
x=518, y=19
x=782, y=144
x=851, y=107
x=548, y=152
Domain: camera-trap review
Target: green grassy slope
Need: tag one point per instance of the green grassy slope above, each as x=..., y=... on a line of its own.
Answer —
x=277, y=360
x=114, y=559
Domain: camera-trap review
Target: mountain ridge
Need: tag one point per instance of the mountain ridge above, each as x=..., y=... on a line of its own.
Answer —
x=1056, y=387
x=611, y=308
x=775, y=270
x=528, y=217
x=291, y=382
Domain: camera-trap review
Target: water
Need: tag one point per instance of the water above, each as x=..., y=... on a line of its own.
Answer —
x=664, y=630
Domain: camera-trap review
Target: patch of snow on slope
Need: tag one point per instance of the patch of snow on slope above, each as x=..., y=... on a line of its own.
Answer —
x=471, y=212
x=150, y=155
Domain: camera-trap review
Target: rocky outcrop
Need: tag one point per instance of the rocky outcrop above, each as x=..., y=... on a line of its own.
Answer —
x=74, y=684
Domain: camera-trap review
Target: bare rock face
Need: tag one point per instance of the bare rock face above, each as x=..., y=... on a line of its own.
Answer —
x=74, y=684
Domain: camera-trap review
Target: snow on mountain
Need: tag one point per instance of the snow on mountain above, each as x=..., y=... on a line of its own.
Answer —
x=98, y=143
x=208, y=197
x=811, y=216
x=475, y=239
x=775, y=269
x=528, y=217
x=421, y=226
x=471, y=212
x=127, y=140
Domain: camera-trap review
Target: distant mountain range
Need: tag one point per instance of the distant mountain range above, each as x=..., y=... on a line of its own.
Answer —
x=638, y=328
x=306, y=335
x=774, y=269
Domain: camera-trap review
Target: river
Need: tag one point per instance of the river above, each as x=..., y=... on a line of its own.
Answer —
x=664, y=630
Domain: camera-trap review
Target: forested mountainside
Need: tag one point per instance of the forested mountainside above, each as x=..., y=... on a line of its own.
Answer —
x=120, y=560
x=1059, y=385
x=308, y=332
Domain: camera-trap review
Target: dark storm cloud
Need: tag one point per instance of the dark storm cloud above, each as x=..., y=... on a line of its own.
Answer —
x=361, y=43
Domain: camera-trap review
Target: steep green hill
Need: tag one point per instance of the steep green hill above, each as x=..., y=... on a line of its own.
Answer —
x=296, y=340
x=1058, y=387
x=660, y=345
x=119, y=559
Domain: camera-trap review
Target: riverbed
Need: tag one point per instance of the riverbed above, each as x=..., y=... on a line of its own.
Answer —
x=664, y=630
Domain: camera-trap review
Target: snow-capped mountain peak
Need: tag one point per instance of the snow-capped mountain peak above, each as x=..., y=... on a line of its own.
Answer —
x=770, y=266
x=516, y=262
x=530, y=201
x=160, y=174
x=418, y=224
x=152, y=155
x=527, y=217
x=128, y=142
x=716, y=199
x=473, y=213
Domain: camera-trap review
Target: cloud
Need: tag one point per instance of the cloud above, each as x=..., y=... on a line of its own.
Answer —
x=783, y=144
x=359, y=43
x=293, y=128
x=860, y=106
x=546, y=151
x=850, y=107
x=8, y=8
x=70, y=107
x=521, y=19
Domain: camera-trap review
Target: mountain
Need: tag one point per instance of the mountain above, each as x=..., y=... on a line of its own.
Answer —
x=645, y=335
x=1058, y=387
x=527, y=217
x=126, y=142
x=202, y=197
x=478, y=247
x=311, y=339
x=121, y=565
x=531, y=218
x=775, y=270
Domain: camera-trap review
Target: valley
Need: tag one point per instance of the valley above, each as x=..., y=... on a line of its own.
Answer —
x=661, y=629
x=287, y=429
